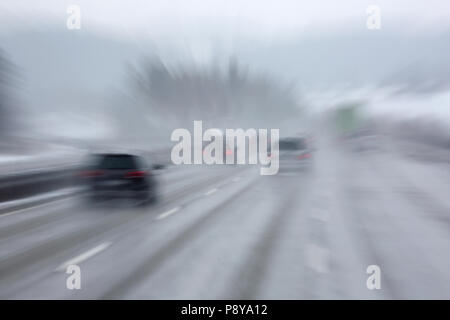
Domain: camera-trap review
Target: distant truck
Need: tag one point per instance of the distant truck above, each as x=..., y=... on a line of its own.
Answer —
x=354, y=126
x=348, y=118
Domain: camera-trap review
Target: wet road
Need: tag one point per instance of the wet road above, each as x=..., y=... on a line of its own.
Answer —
x=227, y=232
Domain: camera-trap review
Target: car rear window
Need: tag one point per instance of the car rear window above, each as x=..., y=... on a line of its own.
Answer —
x=117, y=162
x=297, y=144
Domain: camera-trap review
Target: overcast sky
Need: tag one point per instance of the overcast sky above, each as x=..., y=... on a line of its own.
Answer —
x=259, y=18
x=300, y=39
x=316, y=43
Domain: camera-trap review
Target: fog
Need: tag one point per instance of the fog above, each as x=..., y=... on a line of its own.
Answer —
x=316, y=49
x=364, y=112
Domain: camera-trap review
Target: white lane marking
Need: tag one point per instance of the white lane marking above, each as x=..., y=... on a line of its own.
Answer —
x=32, y=207
x=236, y=179
x=167, y=213
x=84, y=256
x=288, y=174
x=317, y=258
x=211, y=192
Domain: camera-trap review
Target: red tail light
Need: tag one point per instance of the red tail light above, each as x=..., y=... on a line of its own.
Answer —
x=136, y=174
x=91, y=173
x=304, y=156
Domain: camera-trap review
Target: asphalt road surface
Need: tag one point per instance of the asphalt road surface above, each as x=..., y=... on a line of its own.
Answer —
x=226, y=232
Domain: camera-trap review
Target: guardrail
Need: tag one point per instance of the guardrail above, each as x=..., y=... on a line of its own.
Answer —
x=32, y=182
x=17, y=186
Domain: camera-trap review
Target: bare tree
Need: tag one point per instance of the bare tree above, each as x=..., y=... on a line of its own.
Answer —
x=182, y=94
x=7, y=74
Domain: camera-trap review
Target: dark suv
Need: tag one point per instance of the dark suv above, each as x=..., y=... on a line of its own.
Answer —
x=120, y=175
x=294, y=154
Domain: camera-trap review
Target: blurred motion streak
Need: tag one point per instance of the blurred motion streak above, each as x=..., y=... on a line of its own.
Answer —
x=86, y=118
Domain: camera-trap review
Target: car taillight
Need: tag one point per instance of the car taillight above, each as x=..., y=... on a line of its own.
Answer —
x=91, y=173
x=304, y=156
x=136, y=174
